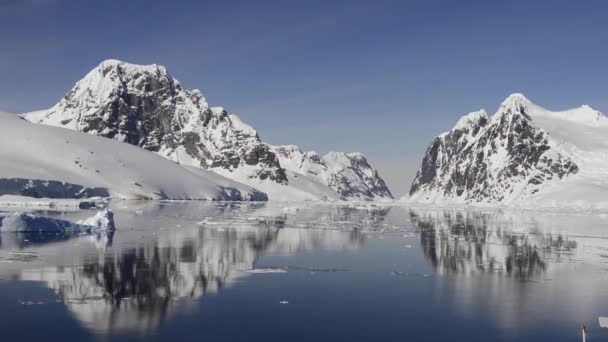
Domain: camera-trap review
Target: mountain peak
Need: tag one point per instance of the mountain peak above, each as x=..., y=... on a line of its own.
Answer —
x=117, y=62
x=144, y=106
x=471, y=119
x=516, y=97
x=516, y=103
x=122, y=67
x=111, y=61
x=511, y=157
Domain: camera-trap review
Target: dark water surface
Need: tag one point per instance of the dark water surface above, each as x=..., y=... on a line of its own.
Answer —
x=276, y=272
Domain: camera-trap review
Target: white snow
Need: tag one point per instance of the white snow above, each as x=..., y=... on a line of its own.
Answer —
x=581, y=134
x=470, y=118
x=48, y=203
x=300, y=188
x=41, y=152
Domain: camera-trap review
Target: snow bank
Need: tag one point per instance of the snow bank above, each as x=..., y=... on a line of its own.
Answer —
x=49, y=203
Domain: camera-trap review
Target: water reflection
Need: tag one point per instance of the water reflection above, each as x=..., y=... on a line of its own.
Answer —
x=495, y=267
x=473, y=241
x=135, y=288
x=149, y=275
x=517, y=268
x=23, y=240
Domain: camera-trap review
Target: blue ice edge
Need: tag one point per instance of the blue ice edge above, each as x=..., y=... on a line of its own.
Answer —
x=103, y=220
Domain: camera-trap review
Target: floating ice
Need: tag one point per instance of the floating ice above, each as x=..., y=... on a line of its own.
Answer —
x=266, y=270
x=20, y=222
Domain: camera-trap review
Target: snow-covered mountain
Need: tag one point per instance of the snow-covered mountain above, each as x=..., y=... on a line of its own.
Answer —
x=348, y=173
x=523, y=155
x=53, y=162
x=145, y=106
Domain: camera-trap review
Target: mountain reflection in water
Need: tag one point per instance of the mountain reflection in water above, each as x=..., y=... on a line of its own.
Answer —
x=465, y=242
x=136, y=287
x=165, y=258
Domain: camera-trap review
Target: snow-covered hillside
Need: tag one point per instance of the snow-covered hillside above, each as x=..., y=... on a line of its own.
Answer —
x=145, y=106
x=348, y=173
x=523, y=156
x=44, y=161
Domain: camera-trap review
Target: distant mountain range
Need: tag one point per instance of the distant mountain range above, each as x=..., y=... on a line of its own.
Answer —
x=522, y=156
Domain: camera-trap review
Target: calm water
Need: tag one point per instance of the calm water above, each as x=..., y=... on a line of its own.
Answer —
x=266, y=272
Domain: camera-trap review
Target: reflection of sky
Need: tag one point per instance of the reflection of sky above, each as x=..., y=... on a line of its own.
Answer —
x=409, y=268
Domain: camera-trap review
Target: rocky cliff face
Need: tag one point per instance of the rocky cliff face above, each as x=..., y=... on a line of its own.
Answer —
x=495, y=159
x=145, y=106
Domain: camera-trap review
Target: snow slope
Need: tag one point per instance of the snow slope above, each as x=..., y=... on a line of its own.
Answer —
x=523, y=156
x=582, y=134
x=299, y=188
x=143, y=105
x=45, y=161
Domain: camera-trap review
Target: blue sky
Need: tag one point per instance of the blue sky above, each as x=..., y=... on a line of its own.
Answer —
x=380, y=77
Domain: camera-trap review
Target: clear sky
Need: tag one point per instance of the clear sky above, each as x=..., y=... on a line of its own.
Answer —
x=379, y=77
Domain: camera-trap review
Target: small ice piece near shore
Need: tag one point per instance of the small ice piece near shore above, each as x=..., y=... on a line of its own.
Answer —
x=103, y=220
x=266, y=270
x=603, y=322
x=283, y=302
